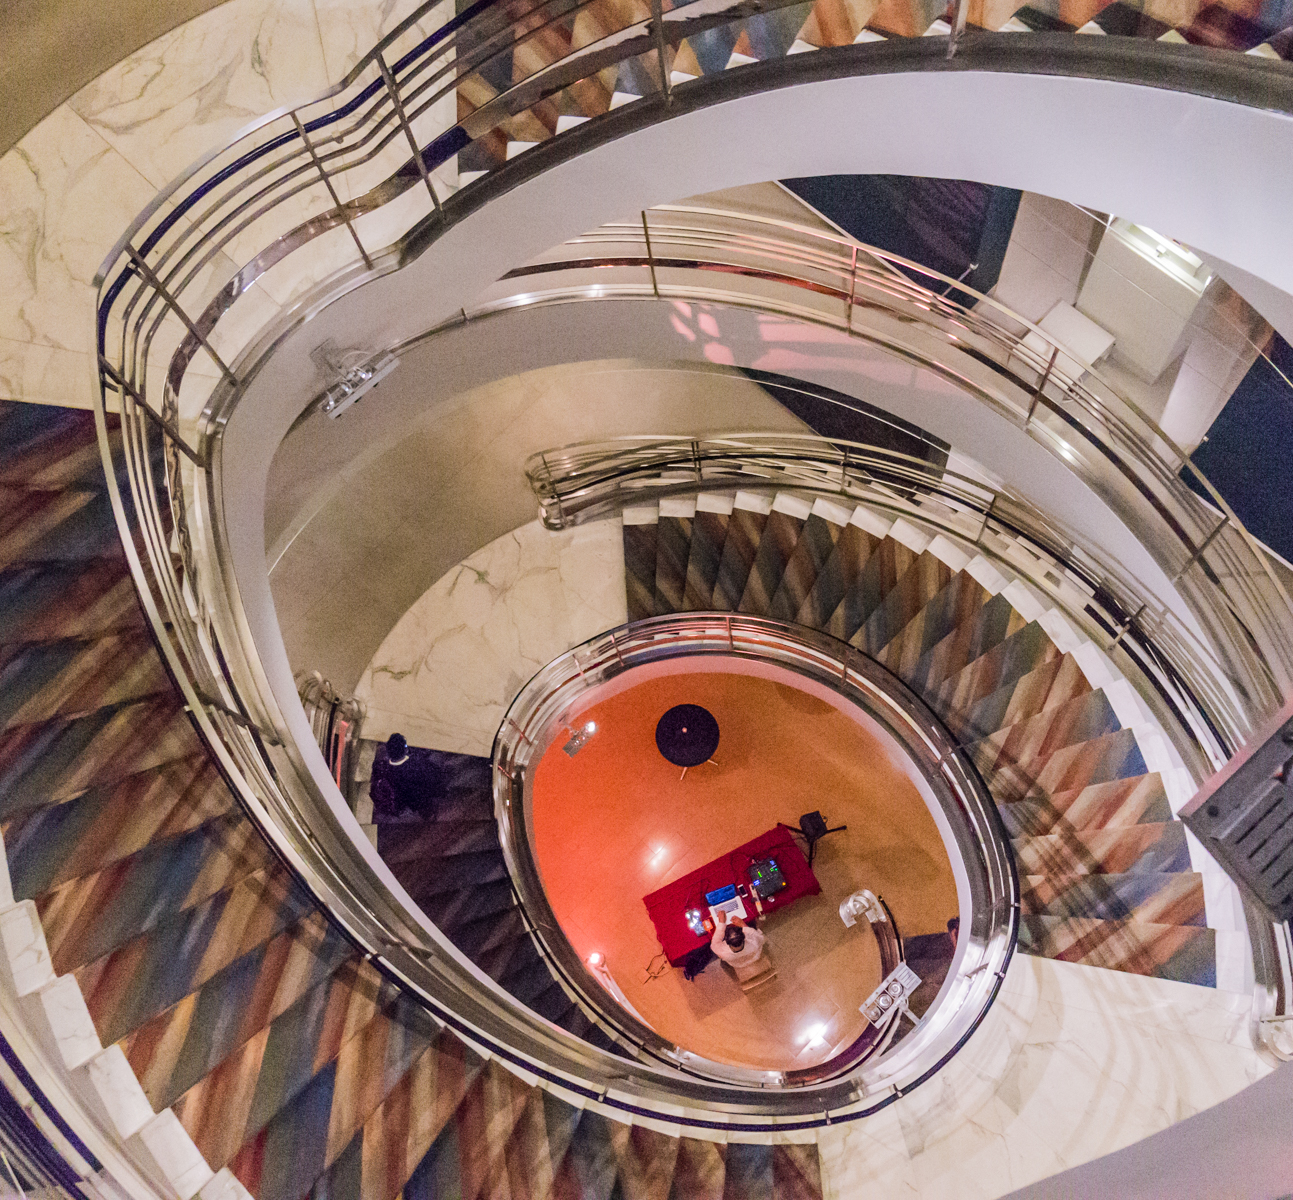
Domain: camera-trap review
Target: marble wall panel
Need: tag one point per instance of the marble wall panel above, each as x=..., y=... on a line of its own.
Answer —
x=1071, y=1063
x=447, y=671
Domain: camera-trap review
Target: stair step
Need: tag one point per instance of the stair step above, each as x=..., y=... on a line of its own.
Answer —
x=954, y=606
x=93, y=915
x=745, y=526
x=48, y=601
x=673, y=547
x=639, y=561
x=776, y=547
x=821, y=531
x=1185, y=953
x=175, y=1049
x=919, y=584
x=884, y=567
x=1157, y=848
x=1119, y=803
x=705, y=553
x=1100, y=760
x=50, y=846
x=1024, y=747
x=853, y=547
x=1056, y=682
x=1160, y=898
x=1008, y=650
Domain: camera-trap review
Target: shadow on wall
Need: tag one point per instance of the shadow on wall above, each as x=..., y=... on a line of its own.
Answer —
x=1241, y=1149
x=1248, y=453
x=953, y=226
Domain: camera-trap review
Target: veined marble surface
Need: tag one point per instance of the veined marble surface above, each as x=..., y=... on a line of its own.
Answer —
x=1070, y=1063
x=73, y=184
x=446, y=673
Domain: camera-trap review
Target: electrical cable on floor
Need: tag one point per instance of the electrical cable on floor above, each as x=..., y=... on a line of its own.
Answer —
x=658, y=971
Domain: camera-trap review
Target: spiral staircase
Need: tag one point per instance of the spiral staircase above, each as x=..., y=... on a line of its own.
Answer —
x=1104, y=869
x=173, y=966
x=293, y=1067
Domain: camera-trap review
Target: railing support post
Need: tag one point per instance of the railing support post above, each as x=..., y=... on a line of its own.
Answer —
x=393, y=88
x=657, y=22
x=332, y=191
x=853, y=288
x=1207, y=541
x=174, y=305
x=1041, y=387
x=646, y=233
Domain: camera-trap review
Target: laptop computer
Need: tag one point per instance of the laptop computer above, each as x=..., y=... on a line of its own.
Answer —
x=725, y=900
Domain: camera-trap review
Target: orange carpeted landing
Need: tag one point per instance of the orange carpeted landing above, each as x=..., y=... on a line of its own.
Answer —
x=615, y=822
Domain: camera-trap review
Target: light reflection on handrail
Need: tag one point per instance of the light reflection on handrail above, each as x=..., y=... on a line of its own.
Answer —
x=541, y=709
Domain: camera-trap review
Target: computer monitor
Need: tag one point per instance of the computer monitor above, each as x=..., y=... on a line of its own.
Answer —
x=719, y=895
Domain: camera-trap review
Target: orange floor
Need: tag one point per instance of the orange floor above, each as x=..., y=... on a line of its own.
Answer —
x=615, y=822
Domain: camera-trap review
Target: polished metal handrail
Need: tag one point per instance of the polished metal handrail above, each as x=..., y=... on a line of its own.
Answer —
x=579, y=483
x=1031, y=380
x=169, y=296
x=541, y=711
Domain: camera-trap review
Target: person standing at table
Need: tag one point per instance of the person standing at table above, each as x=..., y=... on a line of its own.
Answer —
x=736, y=943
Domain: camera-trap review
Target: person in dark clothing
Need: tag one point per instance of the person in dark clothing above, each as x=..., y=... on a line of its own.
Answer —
x=405, y=780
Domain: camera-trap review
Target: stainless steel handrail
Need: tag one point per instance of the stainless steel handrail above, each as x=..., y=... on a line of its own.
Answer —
x=1072, y=410
x=579, y=483
x=163, y=294
x=538, y=713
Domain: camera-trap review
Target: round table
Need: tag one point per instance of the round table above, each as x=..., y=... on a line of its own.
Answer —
x=687, y=735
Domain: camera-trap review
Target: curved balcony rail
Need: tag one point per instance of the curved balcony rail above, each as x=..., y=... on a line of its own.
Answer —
x=581, y=482
x=1030, y=380
x=310, y=201
x=1204, y=693
x=539, y=714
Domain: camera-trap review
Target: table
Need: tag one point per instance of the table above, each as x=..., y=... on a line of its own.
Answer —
x=687, y=735
x=668, y=905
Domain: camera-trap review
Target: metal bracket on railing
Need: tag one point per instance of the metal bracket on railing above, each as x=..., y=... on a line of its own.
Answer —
x=332, y=191
x=853, y=288
x=160, y=288
x=393, y=88
x=1198, y=553
x=238, y=718
x=958, y=27
x=1125, y=627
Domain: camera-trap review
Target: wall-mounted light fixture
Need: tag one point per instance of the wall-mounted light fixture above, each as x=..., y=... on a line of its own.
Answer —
x=355, y=383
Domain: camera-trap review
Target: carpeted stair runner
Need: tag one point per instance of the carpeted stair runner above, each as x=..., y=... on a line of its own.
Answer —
x=493, y=61
x=237, y=1007
x=1104, y=869
x=448, y=858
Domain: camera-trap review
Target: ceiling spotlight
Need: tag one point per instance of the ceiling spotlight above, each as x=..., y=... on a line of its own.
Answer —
x=355, y=383
x=596, y=958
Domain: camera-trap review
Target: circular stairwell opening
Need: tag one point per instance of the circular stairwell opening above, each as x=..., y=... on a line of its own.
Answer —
x=612, y=826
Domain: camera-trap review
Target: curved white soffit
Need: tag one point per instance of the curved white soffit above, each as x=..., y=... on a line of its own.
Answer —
x=1214, y=174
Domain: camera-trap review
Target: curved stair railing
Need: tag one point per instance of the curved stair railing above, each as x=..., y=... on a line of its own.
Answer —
x=302, y=207
x=723, y=257
x=579, y=483
x=534, y=719
x=582, y=482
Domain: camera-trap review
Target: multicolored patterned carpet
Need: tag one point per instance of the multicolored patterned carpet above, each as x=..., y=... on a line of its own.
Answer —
x=495, y=59
x=284, y=1055
x=1104, y=868
x=447, y=857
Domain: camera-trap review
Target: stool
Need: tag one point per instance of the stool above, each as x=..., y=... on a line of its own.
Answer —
x=756, y=974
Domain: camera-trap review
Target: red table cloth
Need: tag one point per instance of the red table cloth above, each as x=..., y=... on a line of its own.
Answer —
x=668, y=905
